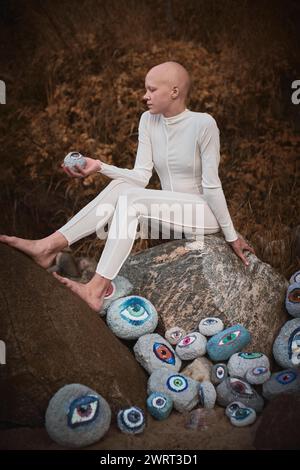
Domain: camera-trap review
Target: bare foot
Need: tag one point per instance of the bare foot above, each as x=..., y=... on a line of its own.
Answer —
x=92, y=293
x=41, y=251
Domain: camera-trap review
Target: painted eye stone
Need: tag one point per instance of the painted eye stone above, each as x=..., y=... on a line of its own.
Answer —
x=159, y=405
x=240, y=415
x=240, y=363
x=224, y=344
x=131, y=317
x=183, y=390
x=152, y=351
x=207, y=394
x=295, y=277
x=210, y=326
x=191, y=346
x=77, y=416
x=286, y=381
x=74, y=158
x=218, y=373
x=164, y=353
x=292, y=300
x=131, y=420
x=174, y=335
x=235, y=389
x=286, y=347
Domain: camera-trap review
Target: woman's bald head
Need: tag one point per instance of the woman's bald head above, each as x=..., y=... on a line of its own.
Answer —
x=172, y=74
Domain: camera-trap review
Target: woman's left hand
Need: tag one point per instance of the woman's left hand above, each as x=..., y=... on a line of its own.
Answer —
x=239, y=246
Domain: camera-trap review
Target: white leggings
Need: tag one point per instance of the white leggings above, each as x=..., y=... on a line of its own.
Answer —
x=108, y=208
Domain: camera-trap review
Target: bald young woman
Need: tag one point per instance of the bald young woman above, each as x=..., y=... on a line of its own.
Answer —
x=183, y=147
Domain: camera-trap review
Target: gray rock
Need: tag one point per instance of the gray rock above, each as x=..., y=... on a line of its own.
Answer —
x=219, y=373
x=199, y=369
x=208, y=394
x=74, y=158
x=292, y=299
x=131, y=420
x=121, y=287
x=159, y=405
x=286, y=347
x=239, y=363
x=286, y=381
x=189, y=284
x=224, y=344
x=191, y=346
x=67, y=265
x=236, y=389
x=174, y=335
x=211, y=326
x=153, y=351
x=182, y=390
x=131, y=317
x=77, y=416
x=239, y=414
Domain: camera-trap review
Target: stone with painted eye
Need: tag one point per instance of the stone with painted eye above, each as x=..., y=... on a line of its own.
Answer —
x=159, y=405
x=239, y=363
x=224, y=344
x=285, y=381
x=74, y=158
x=239, y=414
x=219, y=373
x=131, y=317
x=77, y=416
x=207, y=394
x=191, y=346
x=181, y=389
x=236, y=389
x=120, y=287
x=211, y=326
x=153, y=351
x=295, y=277
x=174, y=335
x=286, y=347
x=258, y=375
x=292, y=299
x=131, y=420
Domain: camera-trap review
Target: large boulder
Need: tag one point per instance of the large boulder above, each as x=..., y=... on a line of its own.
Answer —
x=187, y=281
x=52, y=339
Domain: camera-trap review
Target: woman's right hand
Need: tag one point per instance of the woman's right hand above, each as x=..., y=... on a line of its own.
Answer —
x=92, y=166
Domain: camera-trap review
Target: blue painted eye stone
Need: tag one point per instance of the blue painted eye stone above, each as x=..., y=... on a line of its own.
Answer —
x=224, y=344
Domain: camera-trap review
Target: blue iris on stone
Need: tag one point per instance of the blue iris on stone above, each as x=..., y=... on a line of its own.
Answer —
x=83, y=411
x=286, y=377
x=134, y=311
x=177, y=383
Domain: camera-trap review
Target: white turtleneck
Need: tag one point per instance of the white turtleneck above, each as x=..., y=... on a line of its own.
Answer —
x=185, y=152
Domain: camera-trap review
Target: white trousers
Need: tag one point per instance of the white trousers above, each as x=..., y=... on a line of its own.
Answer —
x=123, y=206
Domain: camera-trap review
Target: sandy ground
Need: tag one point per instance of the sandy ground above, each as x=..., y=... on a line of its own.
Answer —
x=214, y=432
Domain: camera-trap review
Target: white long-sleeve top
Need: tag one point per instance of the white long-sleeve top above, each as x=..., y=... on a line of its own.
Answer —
x=185, y=151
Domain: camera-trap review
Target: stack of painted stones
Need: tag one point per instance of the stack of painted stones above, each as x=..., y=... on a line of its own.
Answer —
x=77, y=416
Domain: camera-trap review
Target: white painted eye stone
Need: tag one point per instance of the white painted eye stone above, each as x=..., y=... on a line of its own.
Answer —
x=74, y=158
x=210, y=326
